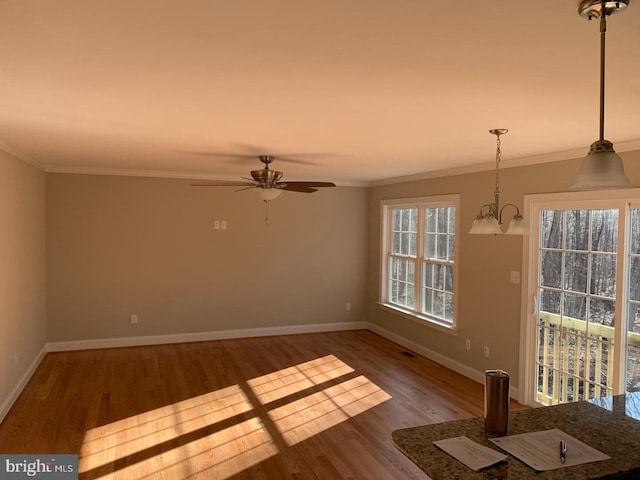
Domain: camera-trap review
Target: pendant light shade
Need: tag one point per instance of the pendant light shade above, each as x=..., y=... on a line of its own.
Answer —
x=602, y=168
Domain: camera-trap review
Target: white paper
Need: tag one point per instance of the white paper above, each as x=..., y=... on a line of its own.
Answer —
x=541, y=450
x=472, y=454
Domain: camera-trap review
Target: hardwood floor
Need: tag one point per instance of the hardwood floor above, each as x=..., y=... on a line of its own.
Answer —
x=316, y=406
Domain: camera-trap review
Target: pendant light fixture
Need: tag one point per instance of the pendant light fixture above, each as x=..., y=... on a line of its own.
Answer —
x=489, y=220
x=602, y=167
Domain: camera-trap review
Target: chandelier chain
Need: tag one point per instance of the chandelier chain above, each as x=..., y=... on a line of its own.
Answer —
x=498, y=158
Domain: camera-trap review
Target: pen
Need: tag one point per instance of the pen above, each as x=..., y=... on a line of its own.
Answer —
x=563, y=451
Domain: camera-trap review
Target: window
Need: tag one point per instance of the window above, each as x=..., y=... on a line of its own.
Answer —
x=418, y=258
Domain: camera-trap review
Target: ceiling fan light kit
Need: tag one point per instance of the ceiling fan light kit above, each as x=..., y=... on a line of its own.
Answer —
x=602, y=168
x=267, y=194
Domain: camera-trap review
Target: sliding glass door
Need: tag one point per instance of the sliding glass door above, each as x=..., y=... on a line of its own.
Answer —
x=584, y=288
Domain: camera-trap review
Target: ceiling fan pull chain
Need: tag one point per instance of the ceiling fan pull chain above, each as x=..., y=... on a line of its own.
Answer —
x=266, y=211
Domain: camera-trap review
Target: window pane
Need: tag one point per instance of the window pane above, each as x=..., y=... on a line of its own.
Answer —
x=551, y=229
x=448, y=306
x=428, y=301
x=430, y=246
x=575, y=306
x=404, y=244
x=448, y=279
x=635, y=231
x=405, y=226
x=634, y=319
x=431, y=217
x=395, y=242
x=442, y=246
x=603, y=275
x=551, y=268
x=438, y=304
x=577, y=230
x=575, y=271
x=438, y=277
x=602, y=312
x=604, y=230
x=402, y=281
x=451, y=243
x=428, y=275
x=443, y=220
x=396, y=215
x=550, y=301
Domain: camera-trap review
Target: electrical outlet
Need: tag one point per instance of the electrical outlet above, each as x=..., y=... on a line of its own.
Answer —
x=486, y=351
x=348, y=307
x=223, y=224
x=467, y=344
x=216, y=225
x=134, y=318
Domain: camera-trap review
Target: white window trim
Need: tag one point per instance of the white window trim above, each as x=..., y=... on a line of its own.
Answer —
x=385, y=236
x=533, y=204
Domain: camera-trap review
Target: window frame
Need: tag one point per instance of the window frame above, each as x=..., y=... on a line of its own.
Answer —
x=386, y=223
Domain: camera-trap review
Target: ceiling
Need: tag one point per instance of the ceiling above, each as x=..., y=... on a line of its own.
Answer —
x=358, y=91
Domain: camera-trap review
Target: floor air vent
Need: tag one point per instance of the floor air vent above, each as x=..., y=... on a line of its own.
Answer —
x=408, y=354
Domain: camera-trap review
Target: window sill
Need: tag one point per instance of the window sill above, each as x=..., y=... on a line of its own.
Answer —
x=422, y=320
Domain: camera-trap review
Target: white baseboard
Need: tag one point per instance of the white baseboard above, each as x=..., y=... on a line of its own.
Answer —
x=13, y=396
x=202, y=336
x=454, y=365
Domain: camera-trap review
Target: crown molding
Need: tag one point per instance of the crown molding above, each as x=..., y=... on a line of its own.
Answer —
x=165, y=174
x=516, y=162
x=20, y=155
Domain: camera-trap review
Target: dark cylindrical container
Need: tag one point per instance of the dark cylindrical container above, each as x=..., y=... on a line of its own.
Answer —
x=496, y=401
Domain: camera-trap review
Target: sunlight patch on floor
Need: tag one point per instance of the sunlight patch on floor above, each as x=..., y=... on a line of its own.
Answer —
x=135, y=434
x=288, y=381
x=308, y=416
x=217, y=456
x=210, y=436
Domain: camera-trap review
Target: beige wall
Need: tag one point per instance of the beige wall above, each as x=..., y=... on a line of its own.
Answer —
x=22, y=262
x=489, y=305
x=123, y=245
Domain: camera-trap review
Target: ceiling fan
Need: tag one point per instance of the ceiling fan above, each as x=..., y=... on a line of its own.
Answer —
x=267, y=181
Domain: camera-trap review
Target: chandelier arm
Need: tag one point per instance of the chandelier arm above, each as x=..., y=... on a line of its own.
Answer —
x=491, y=210
x=517, y=215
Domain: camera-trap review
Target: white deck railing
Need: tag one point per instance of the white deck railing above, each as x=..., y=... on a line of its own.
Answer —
x=573, y=359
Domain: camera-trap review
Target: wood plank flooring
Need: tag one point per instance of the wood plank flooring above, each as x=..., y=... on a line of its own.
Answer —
x=316, y=406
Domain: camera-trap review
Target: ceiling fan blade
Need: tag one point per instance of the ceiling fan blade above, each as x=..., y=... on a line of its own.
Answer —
x=298, y=188
x=248, y=188
x=222, y=183
x=312, y=184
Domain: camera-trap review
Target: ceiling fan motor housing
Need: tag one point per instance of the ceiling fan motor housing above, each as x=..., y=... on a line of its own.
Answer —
x=266, y=178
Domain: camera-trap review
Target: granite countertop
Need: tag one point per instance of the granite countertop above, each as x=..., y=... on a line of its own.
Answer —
x=608, y=425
